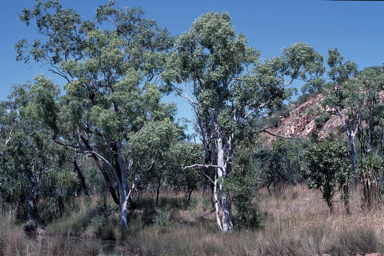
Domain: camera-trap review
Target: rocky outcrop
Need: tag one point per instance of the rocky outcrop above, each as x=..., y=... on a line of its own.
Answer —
x=298, y=123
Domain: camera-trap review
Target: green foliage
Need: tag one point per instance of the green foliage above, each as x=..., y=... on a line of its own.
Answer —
x=164, y=218
x=279, y=165
x=321, y=116
x=354, y=97
x=370, y=134
x=243, y=183
x=103, y=211
x=276, y=116
x=111, y=111
x=31, y=164
x=326, y=168
x=305, y=97
x=104, y=226
x=185, y=154
x=111, y=108
x=231, y=86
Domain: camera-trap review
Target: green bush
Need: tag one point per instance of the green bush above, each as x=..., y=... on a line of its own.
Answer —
x=326, y=167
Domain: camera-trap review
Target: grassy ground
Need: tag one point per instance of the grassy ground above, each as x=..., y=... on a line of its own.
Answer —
x=296, y=222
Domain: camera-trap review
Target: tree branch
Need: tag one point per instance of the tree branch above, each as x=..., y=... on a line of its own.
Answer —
x=265, y=130
x=201, y=165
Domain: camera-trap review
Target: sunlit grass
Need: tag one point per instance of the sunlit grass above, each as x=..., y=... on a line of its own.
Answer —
x=296, y=222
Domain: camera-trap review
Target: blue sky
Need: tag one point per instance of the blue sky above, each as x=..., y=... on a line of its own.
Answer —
x=356, y=28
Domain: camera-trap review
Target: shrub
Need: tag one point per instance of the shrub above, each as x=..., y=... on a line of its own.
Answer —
x=326, y=167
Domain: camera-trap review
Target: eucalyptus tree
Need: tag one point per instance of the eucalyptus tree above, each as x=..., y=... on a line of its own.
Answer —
x=229, y=86
x=111, y=108
x=12, y=184
x=28, y=154
x=20, y=146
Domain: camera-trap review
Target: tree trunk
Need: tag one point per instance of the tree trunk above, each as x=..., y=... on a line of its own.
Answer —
x=227, y=212
x=30, y=210
x=346, y=198
x=107, y=180
x=81, y=176
x=125, y=193
x=124, y=201
x=190, y=193
x=33, y=211
x=157, y=193
x=353, y=158
x=225, y=197
x=216, y=203
x=100, y=165
x=346, y=185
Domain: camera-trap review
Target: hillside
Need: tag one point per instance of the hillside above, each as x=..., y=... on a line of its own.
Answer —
x=298, y=123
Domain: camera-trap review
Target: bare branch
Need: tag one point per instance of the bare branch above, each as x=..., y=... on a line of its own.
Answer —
x=201, y=165
x=276, y=135
x=207, y=177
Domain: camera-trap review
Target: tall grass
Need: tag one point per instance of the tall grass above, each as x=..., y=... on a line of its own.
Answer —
x=297, y=222
x=13, y=242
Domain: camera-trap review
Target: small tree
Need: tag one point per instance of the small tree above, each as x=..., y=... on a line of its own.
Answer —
x=243, y=182
x=29, y=158
x=326, y=168
x=278, y=164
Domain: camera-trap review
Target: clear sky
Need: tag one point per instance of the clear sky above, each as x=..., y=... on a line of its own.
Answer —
x=356, y=28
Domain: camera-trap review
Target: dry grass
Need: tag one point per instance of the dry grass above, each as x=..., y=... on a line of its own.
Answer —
x=13, y=242
x=297, y=222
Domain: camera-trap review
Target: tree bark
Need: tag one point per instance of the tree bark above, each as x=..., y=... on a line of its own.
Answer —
x=124, y=196
x=225, y=197
x=351, y=139
x=33, y=211
x=216, y=203
x=107, y=180
x=100, y=165
x=158, y=191
x=81, y=176
x=30, y=210
x=190, y=193
x=124, y=202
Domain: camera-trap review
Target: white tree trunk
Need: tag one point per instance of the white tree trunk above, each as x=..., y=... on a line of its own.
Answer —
x=227, y=212
x=124, y=201
x=225, y=198
x=216, y=203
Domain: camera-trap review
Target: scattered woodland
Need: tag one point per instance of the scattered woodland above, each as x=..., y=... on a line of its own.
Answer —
x=101, y=166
